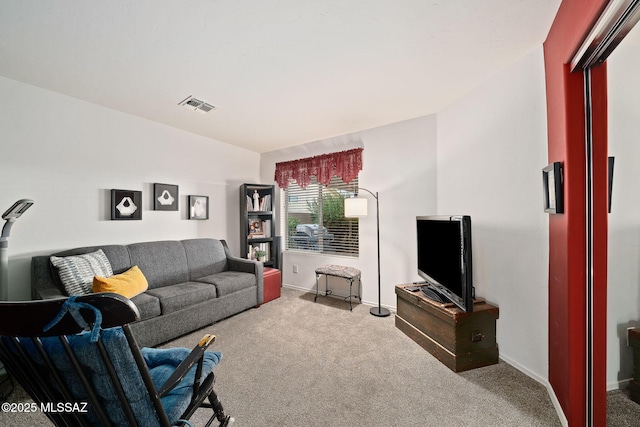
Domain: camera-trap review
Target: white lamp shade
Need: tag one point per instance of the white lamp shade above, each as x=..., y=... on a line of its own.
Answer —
x=355, y=207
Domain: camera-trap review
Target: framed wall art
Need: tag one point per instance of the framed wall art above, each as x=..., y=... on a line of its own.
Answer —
x=126, y=204
x=198, y=207
x=165, y=197
x=552, y=187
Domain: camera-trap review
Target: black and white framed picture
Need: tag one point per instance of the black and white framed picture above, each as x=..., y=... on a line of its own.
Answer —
x=552, y=182
x=198, y=207
x=165, y=197
x=126, y=204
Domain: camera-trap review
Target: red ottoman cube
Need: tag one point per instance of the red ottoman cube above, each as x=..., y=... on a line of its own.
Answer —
x=272, y=284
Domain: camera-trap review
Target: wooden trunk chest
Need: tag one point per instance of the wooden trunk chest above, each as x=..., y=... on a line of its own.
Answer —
x=633, y=337
x=460, y=340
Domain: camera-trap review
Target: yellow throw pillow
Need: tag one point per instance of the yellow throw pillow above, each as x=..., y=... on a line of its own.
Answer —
x=130, y=283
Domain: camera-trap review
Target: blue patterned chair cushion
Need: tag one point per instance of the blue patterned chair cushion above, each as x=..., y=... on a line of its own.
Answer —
x=161, y=363
x=89, y=358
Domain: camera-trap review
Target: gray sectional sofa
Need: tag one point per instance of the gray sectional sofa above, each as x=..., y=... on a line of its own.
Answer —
x=192, y=283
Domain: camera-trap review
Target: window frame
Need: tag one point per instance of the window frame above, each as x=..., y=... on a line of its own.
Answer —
x=343, y=233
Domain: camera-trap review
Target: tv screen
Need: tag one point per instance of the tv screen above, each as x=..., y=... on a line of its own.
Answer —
x=444, y=258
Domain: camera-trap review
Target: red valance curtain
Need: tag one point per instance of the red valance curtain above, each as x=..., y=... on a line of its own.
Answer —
x=345, y=164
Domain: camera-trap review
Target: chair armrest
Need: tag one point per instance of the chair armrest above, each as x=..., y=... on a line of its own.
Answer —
x=196, y=356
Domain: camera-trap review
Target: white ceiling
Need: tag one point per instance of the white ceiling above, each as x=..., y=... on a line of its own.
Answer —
x=280, y=72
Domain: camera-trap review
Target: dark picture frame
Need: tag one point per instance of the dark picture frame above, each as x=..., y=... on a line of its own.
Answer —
x=255, y=228
x=552, y=186
x=610, y=165
x=165, y=197
x=199, y=207
x=126, y=205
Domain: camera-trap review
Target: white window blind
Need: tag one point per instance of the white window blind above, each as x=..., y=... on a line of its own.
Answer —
x=314, y=218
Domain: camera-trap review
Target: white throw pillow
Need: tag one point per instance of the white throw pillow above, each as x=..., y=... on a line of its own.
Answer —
x=76, y=272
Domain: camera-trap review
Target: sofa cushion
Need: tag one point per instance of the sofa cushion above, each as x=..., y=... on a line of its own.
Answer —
x=129, y=284
x=175, y=297
x=229, y=282
x=205, y=257
x=148, y=305
x=76, y=272
x=163, y=263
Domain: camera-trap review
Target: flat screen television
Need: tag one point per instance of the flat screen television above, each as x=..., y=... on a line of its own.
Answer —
x=444, y=259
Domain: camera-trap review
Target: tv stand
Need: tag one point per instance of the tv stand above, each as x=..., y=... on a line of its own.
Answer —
x=460, y=340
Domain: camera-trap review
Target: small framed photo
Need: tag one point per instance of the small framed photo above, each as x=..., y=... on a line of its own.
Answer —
x=255, y=228
x=198, y=207
x=126, y=204
x=165, y=197
x=552, y=182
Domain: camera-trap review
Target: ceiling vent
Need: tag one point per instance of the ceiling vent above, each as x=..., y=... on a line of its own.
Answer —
x=195, y=104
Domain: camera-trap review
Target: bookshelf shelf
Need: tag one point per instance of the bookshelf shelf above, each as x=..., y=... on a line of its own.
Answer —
x=257, y=223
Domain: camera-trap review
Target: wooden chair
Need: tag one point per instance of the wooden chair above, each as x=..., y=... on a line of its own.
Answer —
x=78, y=360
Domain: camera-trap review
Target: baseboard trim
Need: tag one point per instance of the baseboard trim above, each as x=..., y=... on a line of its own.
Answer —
x=556, y=404
x=618, y=385
x=364, y=302
x=544, y=382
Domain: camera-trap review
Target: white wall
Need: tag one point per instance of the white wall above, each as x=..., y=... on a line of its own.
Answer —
x=67, y=155
x=623, y=297
x=482, y=156
x=399, y=162
x=491, y=150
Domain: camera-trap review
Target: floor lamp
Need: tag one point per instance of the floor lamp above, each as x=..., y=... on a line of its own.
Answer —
x=10, y=216
x=356, y=207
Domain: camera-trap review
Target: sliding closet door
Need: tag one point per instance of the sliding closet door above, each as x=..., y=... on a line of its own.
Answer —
x=613, y=25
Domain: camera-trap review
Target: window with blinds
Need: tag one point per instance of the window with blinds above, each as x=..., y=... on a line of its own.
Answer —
x=314, y=218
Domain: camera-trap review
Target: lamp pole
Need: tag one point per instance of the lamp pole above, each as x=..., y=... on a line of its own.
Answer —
x=10, y=216
x=378, y=311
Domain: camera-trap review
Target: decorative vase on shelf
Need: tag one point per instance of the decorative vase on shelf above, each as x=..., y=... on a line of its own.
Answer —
x=262, y=259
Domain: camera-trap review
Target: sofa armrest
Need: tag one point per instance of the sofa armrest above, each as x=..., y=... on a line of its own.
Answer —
x=43, y=284
x=246, y=266
x=242, y=264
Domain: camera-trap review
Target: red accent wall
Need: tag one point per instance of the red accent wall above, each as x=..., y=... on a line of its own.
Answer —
x=567, y=235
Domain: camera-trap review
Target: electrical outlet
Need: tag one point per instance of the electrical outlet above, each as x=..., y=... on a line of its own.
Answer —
x=295, y=268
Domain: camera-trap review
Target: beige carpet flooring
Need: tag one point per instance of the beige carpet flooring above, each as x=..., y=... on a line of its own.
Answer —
x=293, y=362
